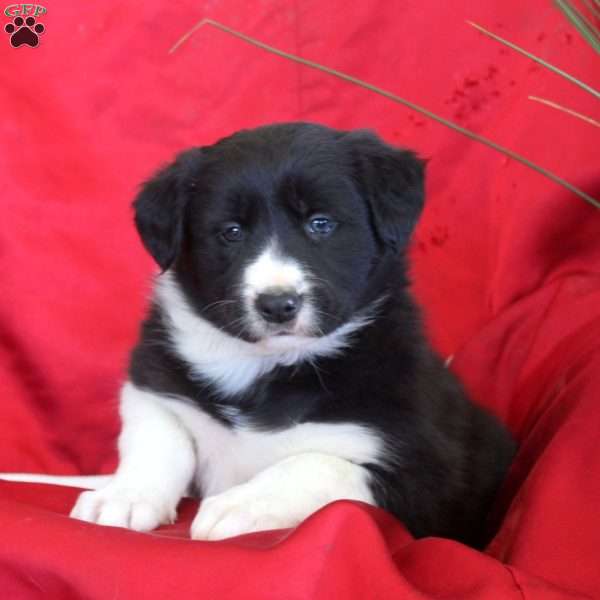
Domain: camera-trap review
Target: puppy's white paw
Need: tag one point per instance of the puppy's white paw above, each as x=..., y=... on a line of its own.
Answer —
x=281, y=496
x=124, y=507
x=241, y=509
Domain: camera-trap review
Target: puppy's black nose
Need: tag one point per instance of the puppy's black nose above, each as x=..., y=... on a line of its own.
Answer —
x=278, y=308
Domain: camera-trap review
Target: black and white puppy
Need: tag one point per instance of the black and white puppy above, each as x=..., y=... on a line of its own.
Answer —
x=283, y=365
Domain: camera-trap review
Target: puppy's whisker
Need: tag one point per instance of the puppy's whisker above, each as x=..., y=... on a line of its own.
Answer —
x=217, y=304
x=323, y=313
x=237, y=322
x=313, y=364
x=313, y=278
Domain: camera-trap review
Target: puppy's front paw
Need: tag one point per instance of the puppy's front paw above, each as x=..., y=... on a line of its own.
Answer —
x=123, y=507
x=240, y=510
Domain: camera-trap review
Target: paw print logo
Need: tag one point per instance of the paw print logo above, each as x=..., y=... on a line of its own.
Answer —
x=24, y=31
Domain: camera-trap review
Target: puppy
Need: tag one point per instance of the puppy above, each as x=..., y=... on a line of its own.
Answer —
x=282, y=364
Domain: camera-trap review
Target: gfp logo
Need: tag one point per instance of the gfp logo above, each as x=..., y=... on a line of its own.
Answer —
x=24, y=29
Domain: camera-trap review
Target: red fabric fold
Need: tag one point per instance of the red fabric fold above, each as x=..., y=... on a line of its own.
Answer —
x=506, y=265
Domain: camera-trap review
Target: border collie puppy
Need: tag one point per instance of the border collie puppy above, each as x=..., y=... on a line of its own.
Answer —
x=283, y=364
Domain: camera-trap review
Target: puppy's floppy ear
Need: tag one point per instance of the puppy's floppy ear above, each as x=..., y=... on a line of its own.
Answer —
x=392, y=180
x=160, y=208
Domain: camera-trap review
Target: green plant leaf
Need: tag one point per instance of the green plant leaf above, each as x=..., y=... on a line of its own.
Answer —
x=585, y=28
x=592, y=8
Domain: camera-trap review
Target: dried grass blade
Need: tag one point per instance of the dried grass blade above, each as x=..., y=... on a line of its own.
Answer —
x=349, y=78
x=564, y=109
x=537, y=59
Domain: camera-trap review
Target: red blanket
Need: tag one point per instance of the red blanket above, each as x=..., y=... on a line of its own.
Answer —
x=506, y=264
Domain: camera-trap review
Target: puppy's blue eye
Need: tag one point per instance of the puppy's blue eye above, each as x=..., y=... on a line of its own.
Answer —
x=233, y=233
x=321, y=226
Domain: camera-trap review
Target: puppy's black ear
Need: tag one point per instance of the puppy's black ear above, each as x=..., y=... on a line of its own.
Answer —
x=160, y=208
x=392, y=180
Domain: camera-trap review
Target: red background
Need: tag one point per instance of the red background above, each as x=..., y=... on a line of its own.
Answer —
x=506, y=264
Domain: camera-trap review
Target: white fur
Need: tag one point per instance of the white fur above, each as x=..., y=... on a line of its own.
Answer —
x=281, y=496
x=229, y=456
x=233, y=364
x=250, y=479
x=156, y=465
x=273, y=270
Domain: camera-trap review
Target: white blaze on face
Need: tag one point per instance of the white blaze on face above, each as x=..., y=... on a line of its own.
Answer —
x=273, y=271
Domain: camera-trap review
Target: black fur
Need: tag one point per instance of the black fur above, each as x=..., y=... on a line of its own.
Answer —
x=445, y=457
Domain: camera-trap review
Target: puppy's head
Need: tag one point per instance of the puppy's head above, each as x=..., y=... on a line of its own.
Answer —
x=278, y=231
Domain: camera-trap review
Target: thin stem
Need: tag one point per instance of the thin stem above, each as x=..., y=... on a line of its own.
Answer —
x=537, y=59
x=390, y=96
x=569, y=111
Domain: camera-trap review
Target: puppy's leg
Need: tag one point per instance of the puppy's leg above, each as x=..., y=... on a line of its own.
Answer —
x=156, y=464
x=281, y=496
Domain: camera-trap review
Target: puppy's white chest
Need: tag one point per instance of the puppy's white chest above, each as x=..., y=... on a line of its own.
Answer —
x=229, y=456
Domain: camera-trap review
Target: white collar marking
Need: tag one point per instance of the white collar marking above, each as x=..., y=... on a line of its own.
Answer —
x=233, y=364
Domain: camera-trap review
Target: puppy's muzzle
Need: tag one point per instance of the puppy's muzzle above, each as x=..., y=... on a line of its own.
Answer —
x=278, y=306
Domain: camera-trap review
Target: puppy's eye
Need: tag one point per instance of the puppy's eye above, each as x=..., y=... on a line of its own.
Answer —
x=321, y=225
x=233, y=233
